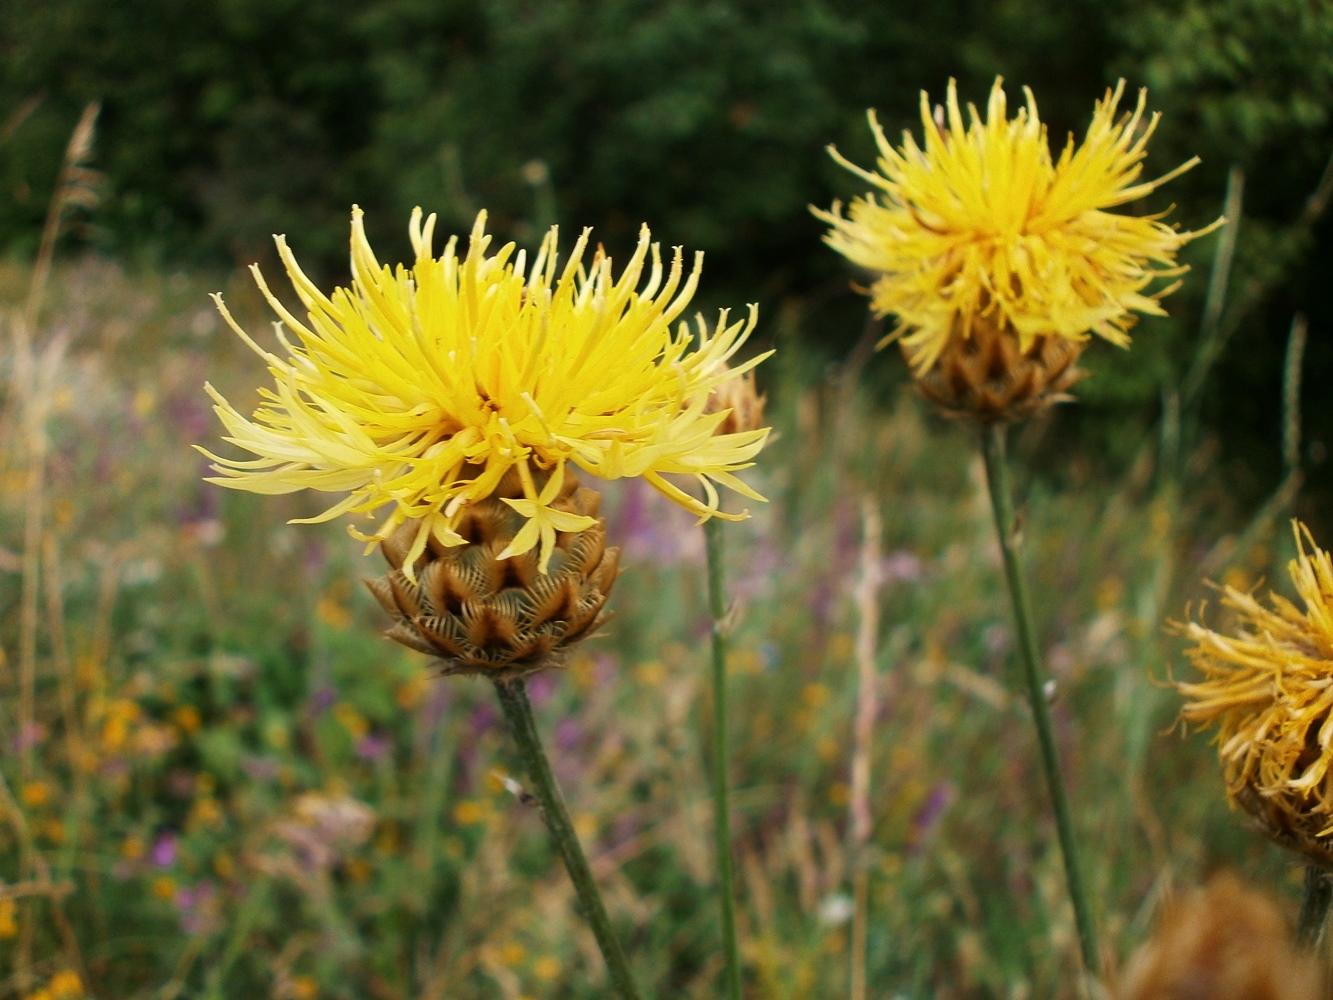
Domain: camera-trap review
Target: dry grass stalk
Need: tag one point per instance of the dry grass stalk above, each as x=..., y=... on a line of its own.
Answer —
x=34, y=380
x=41, y=887
x=55, y=610
x=18, y=117
x=76, y=186
x=51, y=890
x=867, y=707
x=34, y=376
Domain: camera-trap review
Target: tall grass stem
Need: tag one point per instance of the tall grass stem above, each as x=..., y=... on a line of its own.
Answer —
x=513, y=696
x=1230, y=548
x=1210, y=341
x=726, y=890
x=1002, y=505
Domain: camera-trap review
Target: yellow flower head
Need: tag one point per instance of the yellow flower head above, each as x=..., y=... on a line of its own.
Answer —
x=981, y=223
x=421, y=387
x=1269, y=689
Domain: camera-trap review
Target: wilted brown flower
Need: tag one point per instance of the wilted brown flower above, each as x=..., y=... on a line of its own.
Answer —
x=1269, y=689
x=480, y=612
x=1223, y=942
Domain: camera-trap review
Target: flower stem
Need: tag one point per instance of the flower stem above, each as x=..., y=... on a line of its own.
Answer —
x=717, y=603
x=997, y=479
x=518, y=710
x=1314, y=905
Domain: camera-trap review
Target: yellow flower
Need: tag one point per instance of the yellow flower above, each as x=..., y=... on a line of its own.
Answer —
x=1268, y=687
x=66, y=984
x=35, y=794
x=982, y=224
x=421, y=387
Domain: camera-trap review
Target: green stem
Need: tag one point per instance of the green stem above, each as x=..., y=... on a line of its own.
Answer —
x=997, y=479
x=717, y=604
x=249, y=914
x=514, y=700
x=1314, y=906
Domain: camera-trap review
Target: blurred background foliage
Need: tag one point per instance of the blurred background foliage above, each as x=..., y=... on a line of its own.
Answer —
x=228, y=121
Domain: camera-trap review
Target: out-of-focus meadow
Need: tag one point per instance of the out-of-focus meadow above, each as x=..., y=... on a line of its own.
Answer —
x=225, y=783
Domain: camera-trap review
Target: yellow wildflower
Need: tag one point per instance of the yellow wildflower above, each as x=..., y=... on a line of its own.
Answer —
x=546, y=968
x=65, y=984
x=469, y=812
x=421, y=387
x=188, y=718
x=982, y=224
x=35, y=794
x=164, y=887
x=1268, y=687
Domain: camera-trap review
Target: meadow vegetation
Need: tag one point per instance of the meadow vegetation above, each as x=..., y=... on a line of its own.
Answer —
x=230, y=785
x=218, y=779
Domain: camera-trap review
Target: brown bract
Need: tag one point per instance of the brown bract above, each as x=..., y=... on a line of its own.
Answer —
x=1223, y=942
x=746, y=406
x=501, y=618
x=989, y=378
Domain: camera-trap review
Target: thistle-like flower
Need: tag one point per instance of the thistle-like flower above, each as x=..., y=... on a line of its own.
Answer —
x=998, y=260
x=464, y=395
x=420, y=388
x=1268, y=687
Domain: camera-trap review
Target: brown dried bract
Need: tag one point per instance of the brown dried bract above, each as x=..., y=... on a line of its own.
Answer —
x=1223, y=942
x=986, y=376
x=746, y=405
x=501, y=618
